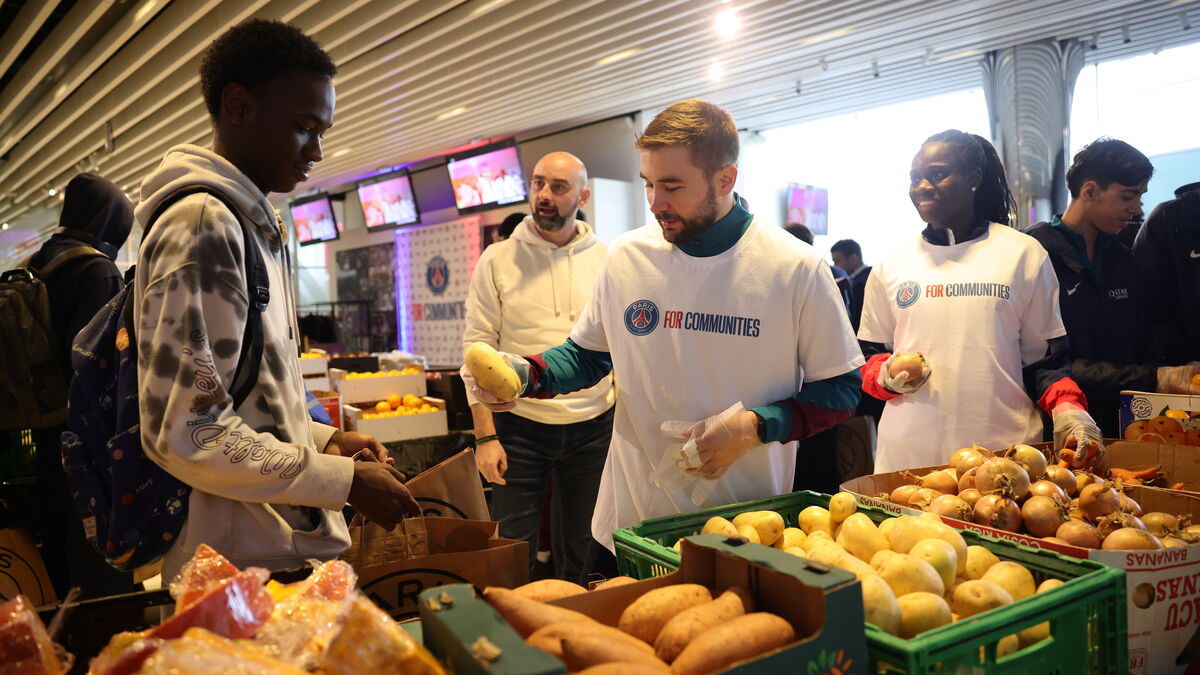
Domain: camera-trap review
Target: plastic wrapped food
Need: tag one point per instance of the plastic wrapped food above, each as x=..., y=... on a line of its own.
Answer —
x=236, y=609
x=25, y=647
x=333, y=580
x=307, y=614
x=371, y=643
x=124, y=654
x=205, y=571
x=199, y=652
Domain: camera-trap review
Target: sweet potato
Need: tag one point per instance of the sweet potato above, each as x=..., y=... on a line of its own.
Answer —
x=546, y=590
x=585, y=651
x=614, y=582
x=689, y=623
x=549, y=638
x=624, y=668
x=647, y=615
x=742, y=638
x=525, y=615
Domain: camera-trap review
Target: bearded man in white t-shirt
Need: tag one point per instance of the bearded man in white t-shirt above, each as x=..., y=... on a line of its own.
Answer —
x=726, y=336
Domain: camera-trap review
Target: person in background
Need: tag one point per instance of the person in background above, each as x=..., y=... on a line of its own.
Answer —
x=979, y=301
x=727, y=337
x=1097, y=278
x=509, y=224
x=95, y=215
x=277, y=501
x=801, y=232
x=847, y=254
x=1167, y=253
x=526, y=293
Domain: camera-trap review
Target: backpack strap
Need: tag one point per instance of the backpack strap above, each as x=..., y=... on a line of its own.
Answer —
x=74, y=253
x=258, y=294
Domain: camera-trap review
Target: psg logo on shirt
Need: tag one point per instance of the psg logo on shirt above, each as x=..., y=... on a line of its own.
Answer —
x=641, y=317
x=437, y=275
x=908, y=293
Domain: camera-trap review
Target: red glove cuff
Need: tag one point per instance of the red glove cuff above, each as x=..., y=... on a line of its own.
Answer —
x=870, y=378
x=1062, y=391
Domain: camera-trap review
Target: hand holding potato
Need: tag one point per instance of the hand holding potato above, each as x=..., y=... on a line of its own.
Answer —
x=494, y=378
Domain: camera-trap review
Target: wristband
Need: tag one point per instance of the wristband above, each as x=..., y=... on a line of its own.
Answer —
x=485, y=439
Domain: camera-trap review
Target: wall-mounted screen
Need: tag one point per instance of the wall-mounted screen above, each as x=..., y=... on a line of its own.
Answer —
x=388, y=201
x=809, y=206
x=314, y=220
x=487, y=176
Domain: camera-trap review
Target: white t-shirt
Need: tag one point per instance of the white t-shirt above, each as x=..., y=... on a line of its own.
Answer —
x=978, y=311
x=690, y=337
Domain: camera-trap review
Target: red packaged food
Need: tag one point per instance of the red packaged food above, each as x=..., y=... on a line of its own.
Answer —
x=234, y=610
x=25, y=647
x=205, y=571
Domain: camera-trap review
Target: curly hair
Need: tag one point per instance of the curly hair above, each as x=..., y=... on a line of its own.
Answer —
x=704, y=128
x=256, y=51
x=994, y=202
x=1107, y=161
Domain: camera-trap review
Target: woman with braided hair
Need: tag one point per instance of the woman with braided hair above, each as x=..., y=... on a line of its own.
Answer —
x=978, y=300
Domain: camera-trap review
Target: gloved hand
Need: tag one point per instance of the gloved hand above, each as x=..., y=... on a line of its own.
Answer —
x=518, y=364
x=722, y=439
x=899, y=383
x=1074, y=424
x=1179, y=379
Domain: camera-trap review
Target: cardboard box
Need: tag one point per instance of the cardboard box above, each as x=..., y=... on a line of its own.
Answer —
x=316, y=365
x=401, y=427
x=1180, y=463
x=823, y=604
x=315, y=383
x=1141, y=406
x=22, y=571
x=332, y=402
x=1163, y=603
x=395, y=567
x=374, y=389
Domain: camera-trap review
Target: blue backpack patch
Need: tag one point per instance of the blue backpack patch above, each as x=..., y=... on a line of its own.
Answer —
x=132, y=510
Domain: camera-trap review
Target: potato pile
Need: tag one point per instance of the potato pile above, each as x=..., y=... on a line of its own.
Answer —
x=1018, y=490
x=673, y=629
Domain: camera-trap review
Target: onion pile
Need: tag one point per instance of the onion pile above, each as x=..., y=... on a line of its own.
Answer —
x=1019, y=490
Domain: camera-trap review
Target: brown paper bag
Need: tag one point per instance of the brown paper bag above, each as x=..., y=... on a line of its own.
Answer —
x=21, y=569
x=452, y=489
x=421, y=553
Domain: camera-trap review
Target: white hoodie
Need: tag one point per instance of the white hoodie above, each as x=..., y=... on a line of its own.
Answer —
x=525, y=296
x=263, y=493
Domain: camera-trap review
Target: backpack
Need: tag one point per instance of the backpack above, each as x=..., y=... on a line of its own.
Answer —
x=33, y=377
x=132, y=510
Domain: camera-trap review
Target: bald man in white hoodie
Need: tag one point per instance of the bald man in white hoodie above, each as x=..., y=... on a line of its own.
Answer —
x=526, y=294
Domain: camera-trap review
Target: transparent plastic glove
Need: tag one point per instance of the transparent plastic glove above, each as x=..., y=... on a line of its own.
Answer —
x=722, y=439
x=518, y=364
x=1179, y=379
x=1073, y=426
x=675, y=471
x=899, y=383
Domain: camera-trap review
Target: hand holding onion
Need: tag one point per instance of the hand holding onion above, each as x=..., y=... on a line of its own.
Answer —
x=904, y=373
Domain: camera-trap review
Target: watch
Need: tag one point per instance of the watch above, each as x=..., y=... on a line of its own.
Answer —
x=761, y=427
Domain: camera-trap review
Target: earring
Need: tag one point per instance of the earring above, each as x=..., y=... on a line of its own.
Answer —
x=972, y=189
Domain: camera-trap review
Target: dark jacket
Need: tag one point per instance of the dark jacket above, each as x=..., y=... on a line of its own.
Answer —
x=1099, y=310
x=1167, y=253
x=858, y=291
x=95, y=213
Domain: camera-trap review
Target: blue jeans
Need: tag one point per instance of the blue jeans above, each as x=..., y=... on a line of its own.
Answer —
x=571, y=455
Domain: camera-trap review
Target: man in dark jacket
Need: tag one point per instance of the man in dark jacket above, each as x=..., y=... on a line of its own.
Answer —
x=847, y=254
x=97, y=215
x=1098, y=292
x=1167, y=253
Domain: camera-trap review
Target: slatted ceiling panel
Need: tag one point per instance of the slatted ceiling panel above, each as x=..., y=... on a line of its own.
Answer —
x=516, y=67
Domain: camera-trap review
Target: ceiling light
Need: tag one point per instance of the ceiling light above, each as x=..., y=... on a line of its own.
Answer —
x=451, y=113
x=145, y=9
x=341, y=153
x=768, y=99
x=827, y=36
x=5, y=227
x=51, y=192
x=963, y=54
x=716, y=71
x=728, y=23
x=487, y=7
x=621, y=55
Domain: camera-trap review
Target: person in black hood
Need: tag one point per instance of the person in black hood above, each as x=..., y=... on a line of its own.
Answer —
x=1167, y=252
x=1102, y=305
x=95, y=215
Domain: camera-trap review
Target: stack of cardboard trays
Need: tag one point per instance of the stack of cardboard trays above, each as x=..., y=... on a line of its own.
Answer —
x=360, y=395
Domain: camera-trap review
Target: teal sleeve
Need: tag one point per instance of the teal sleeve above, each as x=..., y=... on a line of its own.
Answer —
x=564, y=369
x=818, y=406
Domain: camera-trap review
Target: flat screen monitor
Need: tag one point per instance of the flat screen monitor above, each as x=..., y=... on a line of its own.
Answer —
x=808, y=206
x=314, y=220
x=388, y=201
x=486, y=177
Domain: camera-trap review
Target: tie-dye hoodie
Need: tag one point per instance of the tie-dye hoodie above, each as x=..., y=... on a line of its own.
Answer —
x=263, y=492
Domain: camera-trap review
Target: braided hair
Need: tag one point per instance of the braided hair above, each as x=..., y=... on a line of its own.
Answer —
x=994, y=202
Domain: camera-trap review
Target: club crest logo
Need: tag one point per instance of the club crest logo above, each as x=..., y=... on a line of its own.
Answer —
x=907, y=294
x=437, y=275
x=641, y=317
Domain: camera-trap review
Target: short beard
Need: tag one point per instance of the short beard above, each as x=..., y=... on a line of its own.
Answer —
x=697, y=225
x=551, y=223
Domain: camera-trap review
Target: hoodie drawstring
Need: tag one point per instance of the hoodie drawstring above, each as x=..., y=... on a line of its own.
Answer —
x=571, y=283
x=553, y=280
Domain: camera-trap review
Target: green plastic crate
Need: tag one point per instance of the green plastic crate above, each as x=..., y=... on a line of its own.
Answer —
x=1087, y=614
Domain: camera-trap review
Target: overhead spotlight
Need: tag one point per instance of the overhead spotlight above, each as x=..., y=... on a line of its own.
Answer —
x=52, y=192
x=798, y=81
x=4, y=227
x=1095, y=42
x=727, y=23
x=613, y=58
x=875, y=67
x=1125, y=39
x=451, y=113
x=341, y=153
x=716, y=72
x=1183, y=20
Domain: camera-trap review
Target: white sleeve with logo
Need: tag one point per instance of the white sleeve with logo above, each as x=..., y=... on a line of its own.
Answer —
x=826, y=346
x=878, y=320
x=589, y=330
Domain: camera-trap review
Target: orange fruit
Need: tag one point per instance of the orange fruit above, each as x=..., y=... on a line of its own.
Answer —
x=1196, y=380
x=1176, y=438
x=1193, y=437
x=412, y=401
x=1135, y=430
x=395, y=401
x=1163, y=425
x=383, y=407
x=1176, y=414
x=1152, y=438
